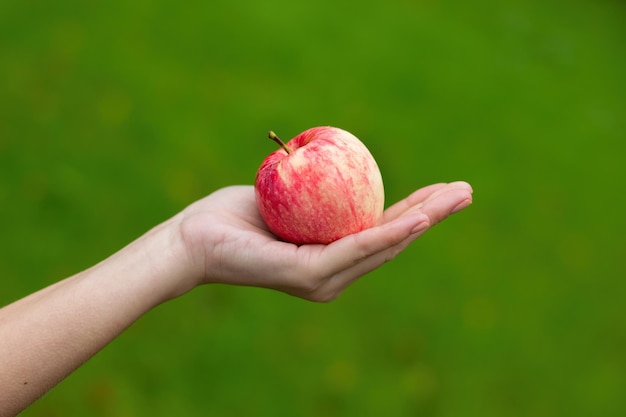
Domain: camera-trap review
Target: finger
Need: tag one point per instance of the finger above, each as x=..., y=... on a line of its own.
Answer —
x=330, y=269
x=419, y=197
x=351, y=250
x=445, y=203
x=405, y=204
x=339, y=282
x=439, y=206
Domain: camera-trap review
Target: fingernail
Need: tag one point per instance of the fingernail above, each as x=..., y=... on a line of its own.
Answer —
x=463, y=204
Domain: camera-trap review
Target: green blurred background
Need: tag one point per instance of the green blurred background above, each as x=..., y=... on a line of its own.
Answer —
x=116, y=115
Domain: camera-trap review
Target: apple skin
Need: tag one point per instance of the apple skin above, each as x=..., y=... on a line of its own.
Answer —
x=328, y=187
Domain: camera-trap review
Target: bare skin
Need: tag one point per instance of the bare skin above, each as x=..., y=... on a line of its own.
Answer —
x=219, y=239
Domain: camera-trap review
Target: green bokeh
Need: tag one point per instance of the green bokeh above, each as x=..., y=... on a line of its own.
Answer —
x=115, y=115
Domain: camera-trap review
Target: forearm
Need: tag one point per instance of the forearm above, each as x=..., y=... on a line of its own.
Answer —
x=48, y=334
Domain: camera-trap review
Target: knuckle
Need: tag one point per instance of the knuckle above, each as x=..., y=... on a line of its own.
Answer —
x=322, y=297
x=316, y=291
x=310, y=286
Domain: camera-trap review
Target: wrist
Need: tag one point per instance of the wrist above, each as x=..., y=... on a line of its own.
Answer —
x=156, y=267
x=173, y=261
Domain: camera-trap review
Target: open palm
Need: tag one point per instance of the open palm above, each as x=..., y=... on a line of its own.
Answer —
x=231, y=244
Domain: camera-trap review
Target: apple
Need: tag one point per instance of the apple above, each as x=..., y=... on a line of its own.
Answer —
x=320, y=186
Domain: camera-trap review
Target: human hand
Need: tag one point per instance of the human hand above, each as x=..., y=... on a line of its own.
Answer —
x=229, y=243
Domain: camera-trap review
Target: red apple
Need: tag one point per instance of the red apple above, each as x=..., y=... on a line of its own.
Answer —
x=322, y=185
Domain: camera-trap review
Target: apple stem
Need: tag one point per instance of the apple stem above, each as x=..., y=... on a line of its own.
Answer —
x=276, y=139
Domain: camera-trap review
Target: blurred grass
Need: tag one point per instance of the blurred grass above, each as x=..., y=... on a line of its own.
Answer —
x=116, y=115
